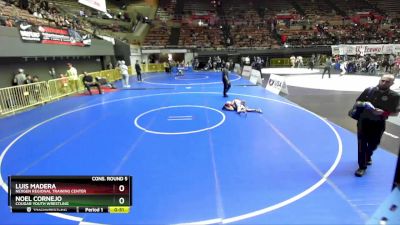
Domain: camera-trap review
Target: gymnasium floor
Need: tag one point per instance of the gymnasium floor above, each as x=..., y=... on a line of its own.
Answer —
x=191, y=162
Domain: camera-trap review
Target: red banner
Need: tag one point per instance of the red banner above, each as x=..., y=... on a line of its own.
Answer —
x=51, y=35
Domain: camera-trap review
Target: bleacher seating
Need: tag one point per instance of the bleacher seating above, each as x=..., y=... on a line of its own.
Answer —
x=198, y=6
x=200, y=36
x=390, y=7
x=350, y=7
x=237, y=24
x=166, y=10
x=251, y=31
x=157, y=36
x=315, y=7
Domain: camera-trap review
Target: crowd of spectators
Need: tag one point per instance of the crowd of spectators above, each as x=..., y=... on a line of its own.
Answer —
x=49, y=13
x=233, y=25
x=28, y=79
x=37, y=12
x=369, y=64
x=202, y=37
x=343, y=32
x=252, y=26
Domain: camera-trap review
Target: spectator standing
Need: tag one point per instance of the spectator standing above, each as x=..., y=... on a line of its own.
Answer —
x=166, y=67
x=73, y=77
x=391, y=63
x=299, y=61
x=52, y=72
x=110, y=66
x=28, y=79
x=292, y=61
x=138, y=71
x=9, y=23
x=311, y=63
x=20, y=77
x=124, y=73
x=397, y=66
x=36, y=88
x=343, y=67
x=327, y=68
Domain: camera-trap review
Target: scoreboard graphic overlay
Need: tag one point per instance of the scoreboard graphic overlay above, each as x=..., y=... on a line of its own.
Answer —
x=75, y=194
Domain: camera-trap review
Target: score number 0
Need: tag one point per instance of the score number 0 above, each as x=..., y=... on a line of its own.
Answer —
x=121, y=200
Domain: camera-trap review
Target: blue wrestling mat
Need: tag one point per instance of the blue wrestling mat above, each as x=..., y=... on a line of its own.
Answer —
x=190, y=161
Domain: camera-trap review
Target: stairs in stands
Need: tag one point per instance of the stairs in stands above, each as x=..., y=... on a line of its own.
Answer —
x=174, y=37
x=179, y=7
x=375, y=7
x=225, y=27
x=298, y=7
x=336, y=8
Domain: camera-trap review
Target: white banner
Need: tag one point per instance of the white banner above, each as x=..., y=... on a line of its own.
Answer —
x=335, y=50
x=255, y=76
x=396, y=49
x=253, y=80
x=151, y=51
x=246, y=71
x=377, y=49
x=237, y=69
x=276, y=84
x=96, y=4
x=106, y=38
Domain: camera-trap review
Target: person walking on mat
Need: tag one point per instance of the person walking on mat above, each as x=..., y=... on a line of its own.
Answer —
x=377, y=103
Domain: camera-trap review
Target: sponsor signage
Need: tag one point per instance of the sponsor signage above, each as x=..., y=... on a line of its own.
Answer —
x=51, y=35
x=365, y=49
x=276, y=84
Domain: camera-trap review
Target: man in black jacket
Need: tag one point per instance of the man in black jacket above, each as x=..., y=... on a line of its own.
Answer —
x=327, y=68
x=379, y=103
x=225, y=79
x=138, y=71
x=88, y=81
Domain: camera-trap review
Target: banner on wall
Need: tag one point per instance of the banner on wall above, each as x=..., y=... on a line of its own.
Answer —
x=365, y=49
x=51, y=35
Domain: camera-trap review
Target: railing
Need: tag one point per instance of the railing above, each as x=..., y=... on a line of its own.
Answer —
x=153, y=67
x=17, y=98
x=21, y=97
x=285, y=62
x=279, y=62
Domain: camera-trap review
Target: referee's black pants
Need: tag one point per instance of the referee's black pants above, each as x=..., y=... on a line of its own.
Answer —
x=326, y=69
x=227, y=86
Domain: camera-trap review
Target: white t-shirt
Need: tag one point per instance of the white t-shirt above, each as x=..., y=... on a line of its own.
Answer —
x=124, y=69
x=72, y=73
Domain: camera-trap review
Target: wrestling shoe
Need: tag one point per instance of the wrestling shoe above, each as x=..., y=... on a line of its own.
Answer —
x=359, y=172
